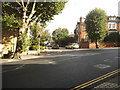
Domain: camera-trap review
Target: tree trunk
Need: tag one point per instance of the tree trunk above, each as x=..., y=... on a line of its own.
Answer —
x=17, y=55
x=19, y=44
x=96, y=44
x=17, y=52
x=24, y=28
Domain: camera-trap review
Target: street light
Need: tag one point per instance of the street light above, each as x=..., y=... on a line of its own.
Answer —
x=39, y=44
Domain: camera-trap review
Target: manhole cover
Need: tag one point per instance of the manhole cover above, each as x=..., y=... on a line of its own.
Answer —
x=102, y=66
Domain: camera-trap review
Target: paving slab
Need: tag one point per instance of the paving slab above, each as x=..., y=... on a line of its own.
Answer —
x=113, y=84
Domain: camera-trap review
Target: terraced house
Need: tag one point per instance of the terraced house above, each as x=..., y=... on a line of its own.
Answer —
x=112, y=25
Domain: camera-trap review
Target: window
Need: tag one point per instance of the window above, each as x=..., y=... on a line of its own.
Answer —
x=112, y=18
x=112, y=25
x=85, y=28
x=109, y=25
x=85, y=37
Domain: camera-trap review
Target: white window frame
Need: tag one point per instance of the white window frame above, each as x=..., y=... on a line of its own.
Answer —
x=86, y=37
x=112, y=25
x=112, y=18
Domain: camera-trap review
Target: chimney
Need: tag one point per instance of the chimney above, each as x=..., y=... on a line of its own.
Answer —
x=81, y=19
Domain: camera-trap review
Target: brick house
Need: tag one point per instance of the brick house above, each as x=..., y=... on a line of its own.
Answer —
x=112, y=25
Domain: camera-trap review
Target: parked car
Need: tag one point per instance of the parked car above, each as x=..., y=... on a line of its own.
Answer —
x=72, y=46
x=55, y=46
x=49, y=46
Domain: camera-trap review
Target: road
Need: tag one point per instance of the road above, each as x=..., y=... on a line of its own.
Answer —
x=61, y=70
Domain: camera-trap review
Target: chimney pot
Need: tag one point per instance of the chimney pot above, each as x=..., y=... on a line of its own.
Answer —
x=80, y=19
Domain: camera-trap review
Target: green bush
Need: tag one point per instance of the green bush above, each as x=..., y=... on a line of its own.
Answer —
x=35, y=47
x=23, y=42
x=42, y=47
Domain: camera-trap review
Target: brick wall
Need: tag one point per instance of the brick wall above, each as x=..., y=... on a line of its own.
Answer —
x=107, y=44
x=84, y=45
x=103, y=45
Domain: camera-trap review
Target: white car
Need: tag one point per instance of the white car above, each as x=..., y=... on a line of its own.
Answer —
x=72, y=46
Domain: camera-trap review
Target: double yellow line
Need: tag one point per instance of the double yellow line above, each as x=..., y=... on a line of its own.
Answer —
x=95, y=80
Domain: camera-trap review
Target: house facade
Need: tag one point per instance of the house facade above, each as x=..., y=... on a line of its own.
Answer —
x=112, y=25
x=9, y=39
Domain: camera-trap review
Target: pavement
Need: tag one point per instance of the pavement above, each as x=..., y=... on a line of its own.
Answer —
x=34, y=54
x=112, y=83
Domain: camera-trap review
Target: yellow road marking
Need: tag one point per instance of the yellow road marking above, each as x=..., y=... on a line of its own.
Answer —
x=96, y=80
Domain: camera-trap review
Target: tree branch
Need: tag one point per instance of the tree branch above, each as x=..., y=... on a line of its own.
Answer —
x=23, y=3
x=32, y=12
x=27, y=3
x=35, y=19
x=18, y=2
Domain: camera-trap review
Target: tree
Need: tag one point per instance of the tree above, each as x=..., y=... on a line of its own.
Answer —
x=30, y=13
x=69, y=39
x=96, y=25
x=59, y=36
x=75, y=35
x=37, y=30
x=9, y=22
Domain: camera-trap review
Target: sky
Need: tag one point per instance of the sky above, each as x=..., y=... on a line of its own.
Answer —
x=74, y=9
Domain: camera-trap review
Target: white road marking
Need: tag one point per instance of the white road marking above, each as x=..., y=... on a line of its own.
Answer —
x=14, y=69
x=108, y=60
x=117, y=57
x=102, y=66
x=51, y=62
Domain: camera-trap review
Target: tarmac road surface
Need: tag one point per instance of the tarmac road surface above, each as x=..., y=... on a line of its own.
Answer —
x=62, y=70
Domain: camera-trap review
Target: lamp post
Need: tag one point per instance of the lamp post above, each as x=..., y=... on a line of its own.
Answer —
x=39, y=44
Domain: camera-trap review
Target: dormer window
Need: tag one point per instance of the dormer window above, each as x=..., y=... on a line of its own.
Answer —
x=112, y=18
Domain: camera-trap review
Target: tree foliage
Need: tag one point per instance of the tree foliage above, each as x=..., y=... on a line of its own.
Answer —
x=37, y=30
x=44, y=11
x=113, y=37
x=30, y=13
x=59, y=35
x=96, y=25
x=9, y=22
x=24, y=42
x=75, y=35
x=69, y=39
